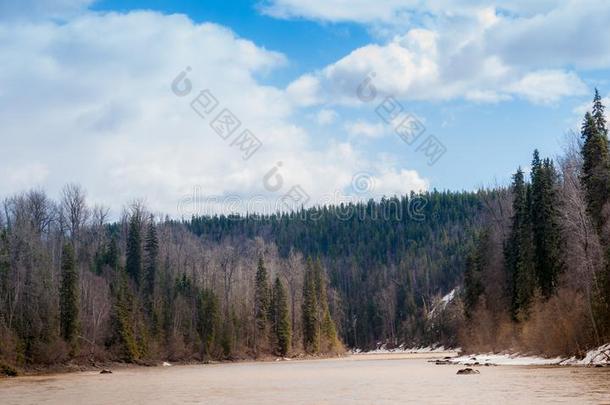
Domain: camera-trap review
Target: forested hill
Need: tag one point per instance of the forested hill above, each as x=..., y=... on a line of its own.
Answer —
x=387, y=260
x=76, y=287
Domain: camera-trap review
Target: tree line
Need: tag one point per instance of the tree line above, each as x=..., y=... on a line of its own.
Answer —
x=77, y=287
x=539, y=271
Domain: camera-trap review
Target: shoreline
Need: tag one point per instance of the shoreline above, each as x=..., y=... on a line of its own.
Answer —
x=594, y=358
x=74, y=367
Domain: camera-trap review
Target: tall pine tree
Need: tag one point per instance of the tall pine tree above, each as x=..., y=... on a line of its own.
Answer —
x=518, y=251
x=261, y=302
x=328, y=332
x=151, y=253
x=596, y=163
x=133, y=265
x=309, y=310
x=280, y=317
x=545, y=224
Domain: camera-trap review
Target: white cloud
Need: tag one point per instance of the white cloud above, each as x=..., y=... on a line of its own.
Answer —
x=398, y=182
x=365, y=129
x=338, y=10
x=390, y=11
x=471, y=56
x=88, y=100
x=548, y=86
x=326, y=116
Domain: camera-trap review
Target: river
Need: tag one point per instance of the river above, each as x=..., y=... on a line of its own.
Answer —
x=358, y=379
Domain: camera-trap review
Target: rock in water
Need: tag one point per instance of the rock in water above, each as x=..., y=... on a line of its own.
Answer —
x=467, y=371
x=105, y=371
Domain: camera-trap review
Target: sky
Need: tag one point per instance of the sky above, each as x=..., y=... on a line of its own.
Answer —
x=215, y=106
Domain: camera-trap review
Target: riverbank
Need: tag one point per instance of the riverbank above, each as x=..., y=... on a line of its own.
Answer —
x=599, y=357
x=77, y=367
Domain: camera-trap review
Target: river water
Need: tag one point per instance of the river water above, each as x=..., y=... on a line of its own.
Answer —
x=359, y=379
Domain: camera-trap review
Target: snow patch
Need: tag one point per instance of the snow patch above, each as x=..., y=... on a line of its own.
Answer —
x=442, y=304
x=506, y=360
x=402, y=349
x=599, y=356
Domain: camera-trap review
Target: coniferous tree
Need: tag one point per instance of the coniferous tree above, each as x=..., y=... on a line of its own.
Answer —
x=596, y=182
x=151, y=253
x=281, y=318
x=261, y=301
x=326, y=325
x=598, y=114
x=309, y=310
x=68, y=297
x=133, y=265
x=518, y=252
x=596, y=163
x=112, y=254
x=546, y=233
x=473, y=283
x=123, y=336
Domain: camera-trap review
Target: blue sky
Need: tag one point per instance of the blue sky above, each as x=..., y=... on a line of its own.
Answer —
x=490, y=80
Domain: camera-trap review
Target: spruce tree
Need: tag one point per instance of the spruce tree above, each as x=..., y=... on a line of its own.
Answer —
x=151, y=253
x=596, y=165
x=68, y=296
x=133, y=265
x=473, y=283
x=123, y=335
x=326, y=325
x=309, y=310
x=598, y=114
x=261, y=302
x=208, y=322
x=518, y=251
x=545, y=224
x=281, y=318
x=112, y=254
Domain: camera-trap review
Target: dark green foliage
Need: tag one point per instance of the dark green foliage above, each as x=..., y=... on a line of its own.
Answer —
x=596, y=166
x=262, y=302
x=151, y=253
x=519, y=250
x=280, y=317
x=8, y=370
x=473, y=282
x=134, y=249
x=123, y=326
x=421, y=240
x=328, y=331
x=309, y=311
x=545, y=224
x=68, y=295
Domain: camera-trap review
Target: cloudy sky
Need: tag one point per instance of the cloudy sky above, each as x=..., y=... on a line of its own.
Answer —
x=86, y=94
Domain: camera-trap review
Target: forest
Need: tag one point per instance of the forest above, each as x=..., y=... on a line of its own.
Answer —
x=527, y=267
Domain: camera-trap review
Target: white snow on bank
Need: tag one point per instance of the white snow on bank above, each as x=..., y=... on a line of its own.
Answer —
x=382, y=349
x=599, y=356
x=506, y=360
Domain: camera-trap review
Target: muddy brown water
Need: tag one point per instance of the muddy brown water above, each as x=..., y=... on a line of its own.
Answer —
x=359, y=379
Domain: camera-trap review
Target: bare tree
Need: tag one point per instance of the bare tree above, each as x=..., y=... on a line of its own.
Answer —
x=74, y=211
